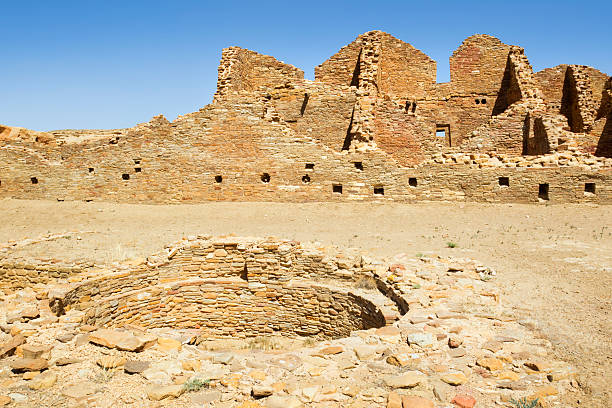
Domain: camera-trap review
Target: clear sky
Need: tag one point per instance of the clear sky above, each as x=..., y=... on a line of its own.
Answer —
x=111, y=64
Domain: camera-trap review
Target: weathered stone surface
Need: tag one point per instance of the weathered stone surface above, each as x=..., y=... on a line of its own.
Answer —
x=121, y=340
x=107, y=337
x=454, y=341
x=157, y=393
x=421, y=339
x=464, y=401
x=394, y=400
x=34, y=351
x=331, y=350
x=29, y=364
x=456, y=378
x=136, y=343
x=80, y=390
x=282, y=402
x=491, y=364
x=135, y=367
x=457, y=353
x=538, y=365
x=62, y=361
x=365, y=352
x=207, y=397
x=399, y=359
x=261, y=391
x=109, y=362
x=43, y=381
x=407, y=380
x=409, y=401
x=166, y=344
x=65, y=337
x=9, y=347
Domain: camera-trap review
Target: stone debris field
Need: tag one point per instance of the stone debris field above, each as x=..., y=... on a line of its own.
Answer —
x=417, y=332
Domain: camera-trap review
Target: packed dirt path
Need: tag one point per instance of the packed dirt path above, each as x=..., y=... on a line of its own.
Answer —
x=554, y=262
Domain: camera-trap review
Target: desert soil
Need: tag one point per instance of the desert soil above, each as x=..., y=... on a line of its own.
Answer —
x=554, y=262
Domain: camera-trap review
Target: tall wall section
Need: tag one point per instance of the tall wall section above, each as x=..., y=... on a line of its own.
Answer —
x=245, y=70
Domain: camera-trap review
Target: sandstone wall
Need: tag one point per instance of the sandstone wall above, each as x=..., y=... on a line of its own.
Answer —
x=231, y=308
x=231, y=287
x=342, y=67
x=477, y=66
x=19, y=273
x=404, y=70
x=245, y=70
x=255, y=261
x=270, y=135
x=177, y=168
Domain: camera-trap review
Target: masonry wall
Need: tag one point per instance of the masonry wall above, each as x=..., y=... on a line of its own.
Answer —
x=550, y=81
x=478, y=65
x=231, y=288
x=21, y=273
x=404, y=71
x=340, y=68
x=255, y=261
x=245, y=70
x=225, y=308
x=185, y=171
x=270, y=135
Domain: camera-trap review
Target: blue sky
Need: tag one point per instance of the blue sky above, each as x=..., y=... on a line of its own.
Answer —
x=110, y=64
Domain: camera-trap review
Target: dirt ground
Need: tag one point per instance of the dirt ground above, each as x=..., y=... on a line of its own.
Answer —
x=554, y=262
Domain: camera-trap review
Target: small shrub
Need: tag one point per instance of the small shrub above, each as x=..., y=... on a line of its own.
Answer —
x=263, y=343
x=420, y=255
x=196, y=385
x=309, y=342
x=524, y=403
x=451, y=245
x=104, y=376
x=366, y=282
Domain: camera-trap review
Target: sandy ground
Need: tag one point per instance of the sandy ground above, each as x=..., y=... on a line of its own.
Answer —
x=554, y=262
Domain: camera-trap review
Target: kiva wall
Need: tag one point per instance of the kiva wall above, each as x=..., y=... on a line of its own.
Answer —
x=231, y=288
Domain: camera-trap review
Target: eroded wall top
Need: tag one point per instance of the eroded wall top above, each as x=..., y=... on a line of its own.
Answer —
x=478, y=65
x=244, y=70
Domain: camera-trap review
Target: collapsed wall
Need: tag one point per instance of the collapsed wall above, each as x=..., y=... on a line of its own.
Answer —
x=374, y=125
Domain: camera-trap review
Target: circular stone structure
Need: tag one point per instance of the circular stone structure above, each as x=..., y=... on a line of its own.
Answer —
x=235, y=287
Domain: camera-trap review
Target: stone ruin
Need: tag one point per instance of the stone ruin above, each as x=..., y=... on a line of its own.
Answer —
x=267, y=323
x=373, y=125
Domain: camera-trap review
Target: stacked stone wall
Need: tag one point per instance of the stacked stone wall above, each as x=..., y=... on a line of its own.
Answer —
x=404, y=70
x=477, y=66
x=19, y=273
x=233, y=308
x=270, y=135
x=231, y=287
x=245, y=70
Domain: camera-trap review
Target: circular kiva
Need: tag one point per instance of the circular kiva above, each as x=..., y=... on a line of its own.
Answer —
x=234, y=287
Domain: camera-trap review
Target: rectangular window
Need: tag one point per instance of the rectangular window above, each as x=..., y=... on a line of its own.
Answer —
x=412, y=182
x=443, y=134
x=589, y=188
x=337, y=188
x=379, y=190
x=543, y=191
x=504, y=181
